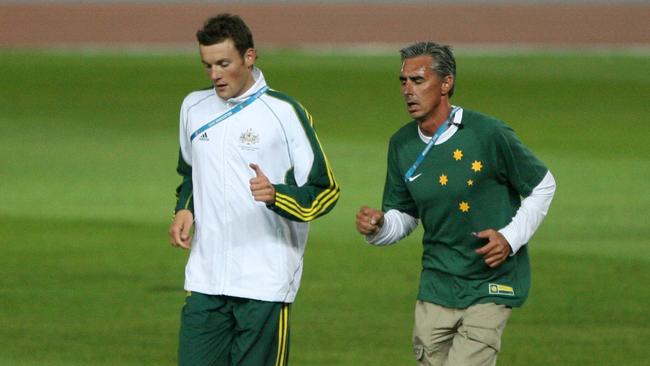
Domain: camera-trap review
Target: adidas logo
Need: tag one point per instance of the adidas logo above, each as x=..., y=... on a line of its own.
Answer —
x=204, y=137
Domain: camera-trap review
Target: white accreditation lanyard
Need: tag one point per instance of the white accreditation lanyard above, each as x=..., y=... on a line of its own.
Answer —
x=434, y=138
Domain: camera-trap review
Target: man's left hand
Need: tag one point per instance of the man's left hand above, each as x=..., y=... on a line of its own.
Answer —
x=497, y=249
x=261, y=187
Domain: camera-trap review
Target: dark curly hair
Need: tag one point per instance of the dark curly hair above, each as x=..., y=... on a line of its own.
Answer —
x=226, y=26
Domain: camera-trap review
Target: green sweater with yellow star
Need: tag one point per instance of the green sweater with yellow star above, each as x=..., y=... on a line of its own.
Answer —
x=472, y=182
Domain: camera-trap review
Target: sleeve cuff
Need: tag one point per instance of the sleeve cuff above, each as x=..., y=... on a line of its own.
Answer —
x=511, y=237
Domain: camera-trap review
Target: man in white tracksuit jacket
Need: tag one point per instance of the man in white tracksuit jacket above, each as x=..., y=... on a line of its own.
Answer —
x=254, y=174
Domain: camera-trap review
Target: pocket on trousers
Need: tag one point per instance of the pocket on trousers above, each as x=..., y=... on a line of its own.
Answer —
x=489, y=337
x=418, y=352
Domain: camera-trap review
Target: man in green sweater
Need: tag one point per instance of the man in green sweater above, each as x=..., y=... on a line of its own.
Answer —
x=480, y=194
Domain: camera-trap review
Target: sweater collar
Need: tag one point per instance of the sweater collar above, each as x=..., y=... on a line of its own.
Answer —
x=456, y=123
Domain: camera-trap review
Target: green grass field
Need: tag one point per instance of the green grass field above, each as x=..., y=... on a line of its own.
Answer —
x=89, y=145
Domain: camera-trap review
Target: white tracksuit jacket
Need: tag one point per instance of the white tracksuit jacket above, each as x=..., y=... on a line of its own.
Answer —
x=241, y=247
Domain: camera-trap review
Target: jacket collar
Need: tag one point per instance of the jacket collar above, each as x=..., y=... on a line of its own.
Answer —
x=260, y=82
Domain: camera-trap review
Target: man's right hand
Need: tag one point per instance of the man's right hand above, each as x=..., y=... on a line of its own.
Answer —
x=369, y=220
x=179, y=230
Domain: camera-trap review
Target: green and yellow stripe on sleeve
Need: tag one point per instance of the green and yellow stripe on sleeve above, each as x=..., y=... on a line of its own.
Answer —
x=306, y=207
x=321, y=192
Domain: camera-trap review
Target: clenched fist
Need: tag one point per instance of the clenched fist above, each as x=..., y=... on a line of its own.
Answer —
x=369, y=220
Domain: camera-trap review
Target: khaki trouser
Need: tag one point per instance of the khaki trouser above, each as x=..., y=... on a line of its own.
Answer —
x=458, y=337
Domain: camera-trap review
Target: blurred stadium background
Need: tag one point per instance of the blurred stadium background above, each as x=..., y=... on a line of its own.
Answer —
x=89, y=98
x=307, y=23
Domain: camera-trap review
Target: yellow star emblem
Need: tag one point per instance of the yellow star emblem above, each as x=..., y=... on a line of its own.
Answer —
x=470, y=183
x=463, y=206
x=458, y=155
x=476, y=166
x=443, y=180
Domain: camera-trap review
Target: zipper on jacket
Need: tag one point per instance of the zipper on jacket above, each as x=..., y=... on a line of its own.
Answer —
x=225, y=256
